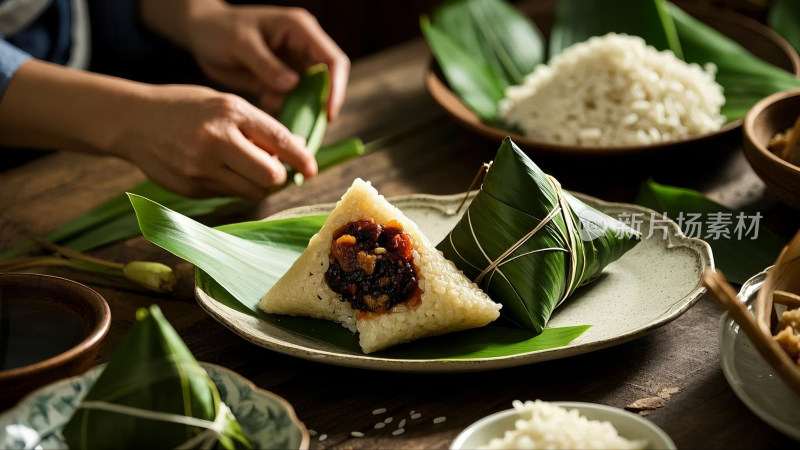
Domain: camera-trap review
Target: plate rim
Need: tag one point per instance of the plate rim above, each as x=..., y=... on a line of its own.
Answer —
x=639, y=420
x=305, y=441
x=675, y=239
x=746, y=295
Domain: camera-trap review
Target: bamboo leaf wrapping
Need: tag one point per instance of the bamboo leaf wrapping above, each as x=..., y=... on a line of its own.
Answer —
x=568, y=243
x=152, y=371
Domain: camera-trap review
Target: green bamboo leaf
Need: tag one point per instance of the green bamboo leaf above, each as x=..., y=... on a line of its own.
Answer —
x=238, y=263
x=339, y=152
x=509, y=43
x=304, y=110
x=469, y=77
x=784, y=17
x=739, y=257
x=744, y=77
x=578, y=20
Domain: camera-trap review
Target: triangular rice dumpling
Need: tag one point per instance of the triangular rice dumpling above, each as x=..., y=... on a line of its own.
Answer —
x=153, y=394
x=530, y=244
x=371, y=269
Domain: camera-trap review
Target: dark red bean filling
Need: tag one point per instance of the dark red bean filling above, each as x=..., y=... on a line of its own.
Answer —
x=371, y=266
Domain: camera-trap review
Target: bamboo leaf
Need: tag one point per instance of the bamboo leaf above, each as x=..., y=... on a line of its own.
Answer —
x=304, y=110
x=744, y=77
x=784, y=17
x=471, y=79
x=339, y=152
x=739, y=257
x=238, y=263
x=578, y=20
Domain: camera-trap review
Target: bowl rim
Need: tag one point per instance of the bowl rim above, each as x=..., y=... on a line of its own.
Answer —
x=98, y=330
x=749, y=124
x=458, y=442
x=442, y=95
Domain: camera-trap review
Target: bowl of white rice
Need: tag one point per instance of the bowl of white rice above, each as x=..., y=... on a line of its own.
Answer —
x=562, y=425
x=614, y=94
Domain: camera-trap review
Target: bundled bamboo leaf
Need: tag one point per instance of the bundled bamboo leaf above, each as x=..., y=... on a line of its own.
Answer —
x=578, y=20
x=528, y=243
x=153, y=394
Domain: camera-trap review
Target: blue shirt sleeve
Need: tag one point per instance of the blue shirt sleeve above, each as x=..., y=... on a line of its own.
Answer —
x=10, y=59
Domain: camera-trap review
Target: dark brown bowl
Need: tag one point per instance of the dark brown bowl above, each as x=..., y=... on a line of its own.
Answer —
x=769, y=116
x=753, y=36
x=50, y=328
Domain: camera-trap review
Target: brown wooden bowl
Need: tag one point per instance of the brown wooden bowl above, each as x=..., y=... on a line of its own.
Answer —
x=769, y=116
x=50, y=328
x=753, y=36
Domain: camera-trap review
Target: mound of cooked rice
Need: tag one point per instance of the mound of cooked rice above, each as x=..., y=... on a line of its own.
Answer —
x=548, y=426
x=615, y=90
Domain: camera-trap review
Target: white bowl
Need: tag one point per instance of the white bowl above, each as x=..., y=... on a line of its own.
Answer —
x=628, y=425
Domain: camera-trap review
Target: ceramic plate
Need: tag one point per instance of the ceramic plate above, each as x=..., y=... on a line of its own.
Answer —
x=628, y=425
x=35, y=422
x=753, y=379
x=649, y=286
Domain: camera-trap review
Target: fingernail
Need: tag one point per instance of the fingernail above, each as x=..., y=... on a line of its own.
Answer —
x=286, y=80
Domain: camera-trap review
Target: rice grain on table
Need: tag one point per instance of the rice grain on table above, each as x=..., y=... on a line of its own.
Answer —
x=398, y=432
x=357, y=434
x=439, y=420
x=375, y=412
x=615, y=90
x=416, y=416
x=401, y=424
x=379, y=425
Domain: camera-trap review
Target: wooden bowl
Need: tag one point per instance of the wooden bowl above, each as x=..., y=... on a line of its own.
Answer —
x=50, y=328
x=753, y=36
x=771, y=115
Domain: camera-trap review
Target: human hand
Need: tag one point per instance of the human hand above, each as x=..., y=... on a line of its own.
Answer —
x=260, y=50
x=201, y=143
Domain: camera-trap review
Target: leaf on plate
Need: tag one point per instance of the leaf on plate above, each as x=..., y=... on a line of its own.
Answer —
x=238, y=263
x=744, y=77
x=784, y=17
x=470, y=78
x=578, y=20
x=739, y=258
x=496, y=33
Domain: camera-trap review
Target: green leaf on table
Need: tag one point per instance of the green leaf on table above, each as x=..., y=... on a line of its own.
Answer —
x=784, y=17
x=470, y=77
x=739, y=257
x=495, y=32
x=744, y=77
x=238, y=263
x=578, y=20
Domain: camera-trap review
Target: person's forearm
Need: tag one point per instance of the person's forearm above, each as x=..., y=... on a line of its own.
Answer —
x=171, y=18
x=49, y=106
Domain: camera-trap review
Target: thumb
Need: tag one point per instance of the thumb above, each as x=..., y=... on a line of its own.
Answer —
x=264, y=65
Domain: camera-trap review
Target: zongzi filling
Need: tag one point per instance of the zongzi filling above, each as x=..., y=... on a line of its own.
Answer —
x=371, y=265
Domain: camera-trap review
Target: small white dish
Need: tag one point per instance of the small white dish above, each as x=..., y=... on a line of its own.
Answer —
x=628, y=425
x=753, y=379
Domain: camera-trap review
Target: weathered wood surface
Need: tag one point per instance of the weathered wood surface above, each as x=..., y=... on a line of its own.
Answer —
x=417, y=149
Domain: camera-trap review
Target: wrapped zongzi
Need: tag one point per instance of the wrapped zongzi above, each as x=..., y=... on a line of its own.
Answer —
x=528, y=243
x=371, y=269
x=153, y=394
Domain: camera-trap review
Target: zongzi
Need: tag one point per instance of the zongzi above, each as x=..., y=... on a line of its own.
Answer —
x=153, y=394
x=371, y=269
x=528, y=243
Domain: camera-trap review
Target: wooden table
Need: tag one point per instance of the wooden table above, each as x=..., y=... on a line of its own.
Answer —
x=415, y=148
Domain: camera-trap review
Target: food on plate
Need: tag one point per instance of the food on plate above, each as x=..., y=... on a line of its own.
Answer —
x=528, y=243
x=615, y=90
x=153, y=394
x=543, y=425
x=788, y=335
x=786, y=145
x=371, y=269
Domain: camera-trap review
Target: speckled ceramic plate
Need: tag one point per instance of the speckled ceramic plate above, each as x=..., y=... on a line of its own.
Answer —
x=649, y=286
x=753, y=379
x=628, y=425
x=36, y=421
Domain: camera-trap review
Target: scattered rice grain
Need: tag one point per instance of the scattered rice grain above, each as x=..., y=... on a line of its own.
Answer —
x=375, y=412
x=398, y=432
x=388, y=420
x=416, y=416
x=322, y=437
x=379, y=425
x=356, y=434
x=439, y=420
x=401, y=424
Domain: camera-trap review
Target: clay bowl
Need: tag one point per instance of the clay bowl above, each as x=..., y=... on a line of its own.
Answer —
x=771, y=115
x=753, y=36
x=50, y=328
